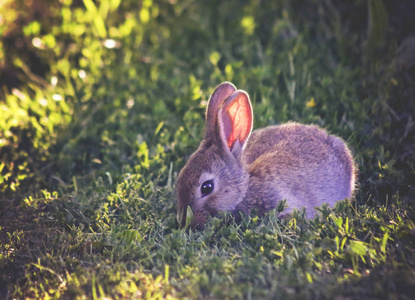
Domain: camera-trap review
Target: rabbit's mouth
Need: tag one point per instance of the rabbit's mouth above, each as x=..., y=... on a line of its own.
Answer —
x=191, y=220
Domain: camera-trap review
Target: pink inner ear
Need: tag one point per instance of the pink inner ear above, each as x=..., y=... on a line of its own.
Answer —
x=240, y=117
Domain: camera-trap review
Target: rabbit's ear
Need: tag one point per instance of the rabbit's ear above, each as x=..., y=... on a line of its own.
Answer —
x=220, y=94
x=235, y=121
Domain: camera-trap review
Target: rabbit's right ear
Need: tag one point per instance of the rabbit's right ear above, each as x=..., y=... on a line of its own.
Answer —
x=235, y=119
x=221, y=93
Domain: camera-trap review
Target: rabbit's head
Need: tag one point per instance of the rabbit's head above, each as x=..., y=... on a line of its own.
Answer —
x=214, y=178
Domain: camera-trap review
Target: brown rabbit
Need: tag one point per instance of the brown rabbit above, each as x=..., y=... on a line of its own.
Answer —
x=233, y=170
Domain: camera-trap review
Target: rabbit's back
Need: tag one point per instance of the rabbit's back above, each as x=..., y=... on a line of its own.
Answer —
x=300, y=163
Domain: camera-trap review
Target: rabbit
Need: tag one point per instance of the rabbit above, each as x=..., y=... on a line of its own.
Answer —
x=235, y=170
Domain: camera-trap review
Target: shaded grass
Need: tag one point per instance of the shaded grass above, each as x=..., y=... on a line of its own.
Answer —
x=124, y=130
x=357, y=251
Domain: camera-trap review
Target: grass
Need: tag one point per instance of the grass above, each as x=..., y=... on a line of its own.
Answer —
x=102, y=103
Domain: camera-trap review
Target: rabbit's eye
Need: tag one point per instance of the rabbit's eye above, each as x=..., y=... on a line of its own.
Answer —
x=207, y=187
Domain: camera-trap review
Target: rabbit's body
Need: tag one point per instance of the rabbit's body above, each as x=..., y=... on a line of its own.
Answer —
x=234, y=170
x=309, y=167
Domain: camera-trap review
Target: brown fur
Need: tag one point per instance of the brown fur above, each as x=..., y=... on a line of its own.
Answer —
x=300, y=163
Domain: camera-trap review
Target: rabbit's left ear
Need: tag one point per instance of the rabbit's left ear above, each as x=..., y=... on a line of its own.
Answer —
x=221, y=93
x=235, y=121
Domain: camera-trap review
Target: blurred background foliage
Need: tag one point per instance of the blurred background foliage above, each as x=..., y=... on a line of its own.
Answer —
x=101, y=102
